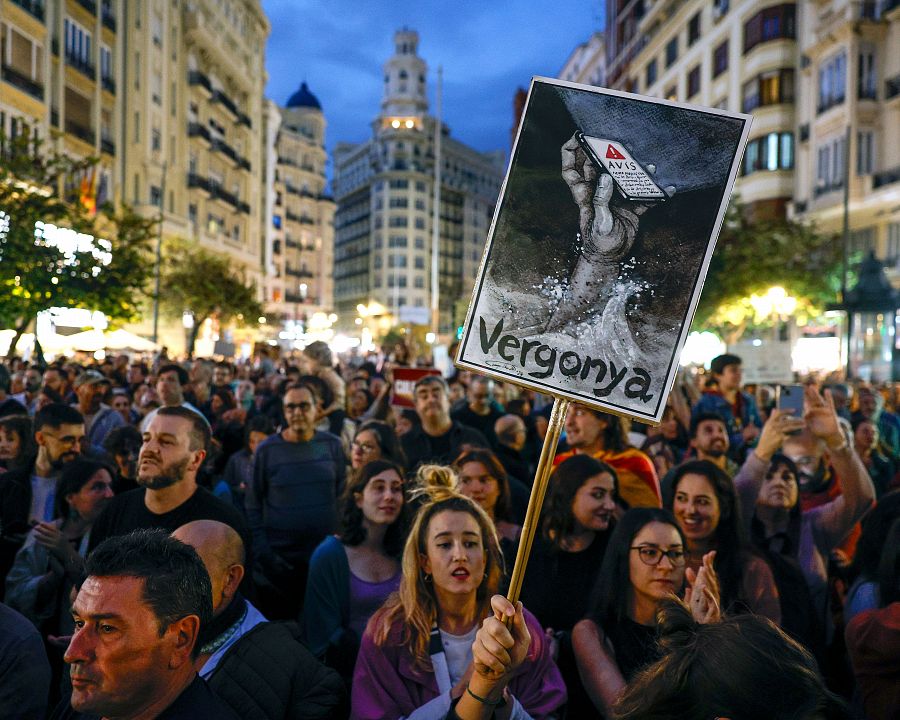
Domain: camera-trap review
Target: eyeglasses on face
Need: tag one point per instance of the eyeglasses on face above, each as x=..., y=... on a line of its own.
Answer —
x=653, y=555
x=294, y=407
x=364, y=447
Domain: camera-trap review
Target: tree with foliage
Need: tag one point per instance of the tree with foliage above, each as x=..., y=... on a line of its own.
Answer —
x=101, y=262
x=203, y=283
x=753, y=256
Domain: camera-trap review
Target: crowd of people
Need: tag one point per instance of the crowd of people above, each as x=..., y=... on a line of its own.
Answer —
x=283, y=538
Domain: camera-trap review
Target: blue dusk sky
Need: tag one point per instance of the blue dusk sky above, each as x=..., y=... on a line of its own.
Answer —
x=487, y=49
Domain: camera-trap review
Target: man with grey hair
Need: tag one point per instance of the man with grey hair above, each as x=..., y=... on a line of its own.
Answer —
x=439, y=438
x=480, y=412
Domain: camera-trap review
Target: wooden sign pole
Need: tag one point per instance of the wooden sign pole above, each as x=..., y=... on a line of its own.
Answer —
x=536, y=501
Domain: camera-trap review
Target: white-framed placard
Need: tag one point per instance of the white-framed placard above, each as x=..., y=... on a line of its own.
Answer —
x=600, y=243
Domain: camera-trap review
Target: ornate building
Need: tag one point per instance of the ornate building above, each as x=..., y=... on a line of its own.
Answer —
x=385, y=194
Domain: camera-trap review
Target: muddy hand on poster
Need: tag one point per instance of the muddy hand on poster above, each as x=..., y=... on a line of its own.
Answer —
x=600, y=245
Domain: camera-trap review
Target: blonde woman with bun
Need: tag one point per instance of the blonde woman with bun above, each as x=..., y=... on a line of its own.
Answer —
x=416, y=657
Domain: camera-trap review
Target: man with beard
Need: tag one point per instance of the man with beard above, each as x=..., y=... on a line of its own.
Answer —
x=479, y=412
x=175, y=446
x=28, y=396
x=27, y=494
x=709, y=441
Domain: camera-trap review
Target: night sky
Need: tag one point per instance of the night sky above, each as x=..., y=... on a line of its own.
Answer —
x=486, y=49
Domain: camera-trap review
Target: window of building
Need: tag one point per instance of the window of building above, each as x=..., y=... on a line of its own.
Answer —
x=671, y=51
x=155, y=196
x=694, y=29
x=192, y=214
x=137, y=127
x=420, y=223
x=106, y=67
x=774, y=151
x=377, y=262
x=156, y=139
x=693, y=82
x=398, y=221
x=420, y=204
x=651, y=73
x=772, y=23
x=397, y=241
x=866, y=77
x=78, y=42
x=832, y=81
x=769, y=88
x=137, y=188
x=830, y=158
x=720, y=8
x=378, y=242
x=377, y=282
x=865, y=152
x=399, y=202
x=276, y=222
x=420, y=262
x=420, y=243
x=720, y=59
x=671, y=93
x=419, y=282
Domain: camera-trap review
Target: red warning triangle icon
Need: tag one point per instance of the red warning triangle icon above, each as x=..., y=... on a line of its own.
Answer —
x=613, y=154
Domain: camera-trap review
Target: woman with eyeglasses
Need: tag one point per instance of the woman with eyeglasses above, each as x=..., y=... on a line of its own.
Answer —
x=375, y=440
x=644, y=565
x=351, y=574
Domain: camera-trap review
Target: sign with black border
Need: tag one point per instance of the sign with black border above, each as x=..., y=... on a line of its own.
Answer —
x=600, y=244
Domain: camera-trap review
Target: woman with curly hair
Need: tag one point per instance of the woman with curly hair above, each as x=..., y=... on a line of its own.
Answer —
x=416, y=658
x=351, y=574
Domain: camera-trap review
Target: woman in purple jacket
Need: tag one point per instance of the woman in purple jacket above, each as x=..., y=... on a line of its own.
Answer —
x=416, y=656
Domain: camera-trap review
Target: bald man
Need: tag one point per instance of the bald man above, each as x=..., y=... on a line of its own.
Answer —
x=242, y=650
x=511, y=435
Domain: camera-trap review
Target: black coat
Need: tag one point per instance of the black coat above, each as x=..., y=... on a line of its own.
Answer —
x=270, y=675
x=15, y=504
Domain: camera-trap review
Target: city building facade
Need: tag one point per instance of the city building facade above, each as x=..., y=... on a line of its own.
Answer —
x=848, y=106
x=61, y=61
x=385, y=194
x=737, y=55
x=299, y=286
x=587, y=62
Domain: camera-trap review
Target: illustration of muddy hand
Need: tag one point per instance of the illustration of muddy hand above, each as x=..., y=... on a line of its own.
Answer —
x=607, y=232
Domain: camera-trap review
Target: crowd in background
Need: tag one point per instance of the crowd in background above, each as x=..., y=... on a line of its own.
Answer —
x=353, y=547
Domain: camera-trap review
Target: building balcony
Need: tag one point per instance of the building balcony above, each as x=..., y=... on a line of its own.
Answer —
x=108, y=84
x=35, y=8
x=229, y=152
x=291, y=217
x=195, y=77
x=825, y=104
x=89, y=5
x=198, y=181
x=198, y=130
x=885, y=177
x=82, y=132
x=107, y=146
x=293, y=244
x=23, y=82
x=826, y=188
x=892, y=87
x=85, y=67
x=298, y=299
x=298, y=272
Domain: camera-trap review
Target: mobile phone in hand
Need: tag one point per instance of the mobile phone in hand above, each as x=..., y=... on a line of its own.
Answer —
x=790, y=397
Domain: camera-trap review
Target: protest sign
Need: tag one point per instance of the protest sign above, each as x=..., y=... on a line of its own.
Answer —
x=600, y=244
x=405, y=380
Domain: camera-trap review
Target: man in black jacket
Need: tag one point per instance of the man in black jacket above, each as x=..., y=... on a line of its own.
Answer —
x=241, y=650
x=439, y=439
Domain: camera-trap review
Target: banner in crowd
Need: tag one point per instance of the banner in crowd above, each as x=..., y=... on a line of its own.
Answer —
x=600, y=244
x=405, y=380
